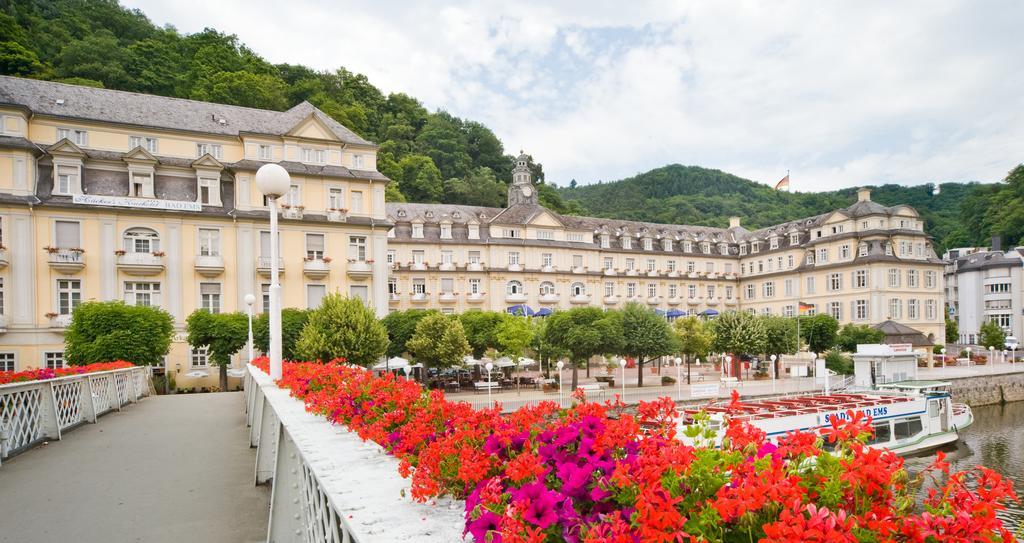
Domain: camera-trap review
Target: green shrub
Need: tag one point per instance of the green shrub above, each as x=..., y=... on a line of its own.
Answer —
x=108, y=331
x=839, y=362
x=342, y=327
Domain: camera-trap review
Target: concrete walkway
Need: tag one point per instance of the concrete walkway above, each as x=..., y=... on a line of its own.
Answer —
x=170, y=468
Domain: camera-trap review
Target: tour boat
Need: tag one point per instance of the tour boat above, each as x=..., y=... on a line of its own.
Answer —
x=908, y=416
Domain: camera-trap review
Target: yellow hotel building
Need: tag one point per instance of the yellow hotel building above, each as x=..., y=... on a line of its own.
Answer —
x=115, y=195
x=864, y=264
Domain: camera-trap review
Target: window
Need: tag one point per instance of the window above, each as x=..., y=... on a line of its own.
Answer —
x=265, y=294
x=392, y=286
x=822, y=256
x=209, y=297
x=835, y=282
x=743, y=249
x=773, y=243
x=69, y=295
x=419, y=286
x=446, y=231
x=1002, y=319
x=265, y=245
x=546, y=259
x=357, y=201
x=605, y=241
x=788, y=287
x=630, y=264
x=213, y=149
x=688, y=247
x=357, y=248
x=359, y=292
x=140, y=185
x=691, y=290
x=315, y=295
x=844, y=252
x=666, y=244
x=835, y=309
x=768, y=289
x=691, y=266
x=609, y=289
x=265, y=152
x=997, y=288
x=609, y=263
x=447, y=257
x=709, y=267
x=335, y=198
x=895, y=308
x=144, y=294
x=316, y=156
x=888, y=249
x=315, y=246
x=474, y=257
x=912, y=276
x=929, y=310
x=447, y=285
x=6, y=361
x=837, y=229
x=810, y=259
x=929, y=279
x=147, y=143
x=53, y=359
x=894, y=277
x=513, y=258
x=514, y=288
x=547, y=288
x=67, y=180
x=511, y=233
x=627, y=242
x=417, y=230
x=728, y=292
x=474, y=231
x=652, y=290
x=573, y=236
x=862, y=249
x=631, y=290
x=79, y=137
x=648, y=244
x=860, y=279
x=141, y=240
x=705, y=247
x=650, y=264
x=810, y=285
x=907, y=428
x=545, y=234
x=200, y=357
x=357, y=161
x=474, y=286
x=794, y=239
x=711, y=291
x=755, y=247
x=671, y=265
x=750, y=294
x=860, y=310
x=912, y=309
x=577, y=261
x=673, y=290
x=578, y=289
x=209, y=242
x=209, y=191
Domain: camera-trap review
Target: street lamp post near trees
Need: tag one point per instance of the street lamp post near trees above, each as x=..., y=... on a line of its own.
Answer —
x=249, y=300
x=273, y=181
x=622, y=364
x=560, y=365
x=489, y=366
x=991, y=358
x=774, y=372
x=679, y=380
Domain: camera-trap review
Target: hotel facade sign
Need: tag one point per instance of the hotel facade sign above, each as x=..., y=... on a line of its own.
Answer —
x=136, y=203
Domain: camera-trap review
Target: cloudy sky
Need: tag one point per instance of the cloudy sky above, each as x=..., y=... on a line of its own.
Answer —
x=840, y=93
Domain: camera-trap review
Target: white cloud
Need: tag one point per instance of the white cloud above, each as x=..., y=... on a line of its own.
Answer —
x=840, y=93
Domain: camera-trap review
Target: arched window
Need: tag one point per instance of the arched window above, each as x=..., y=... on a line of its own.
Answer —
x=141, y=240
x=547, y=288
x=578, y=289
x=514, y=288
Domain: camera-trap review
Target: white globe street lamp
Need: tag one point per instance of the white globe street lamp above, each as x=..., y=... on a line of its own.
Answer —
x=489, y=366
x=991, y=358
x=622, y=364
x=249, y=300
x=560, y=365
x=273, y=181
x=774, y=372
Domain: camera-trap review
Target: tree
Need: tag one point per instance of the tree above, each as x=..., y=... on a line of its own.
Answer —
x=223, y=334
x=819, y=332
x=694, y=338
x=15, y=59
x=479, y=187
x=243, y=88
x=418, y=178
x=108, y=331
x=780, y=338
x=439, y=341
x=583, y=332
x=738, y=332
x=514, y=335
x=481, y=328
x=645, y=335
x=992, y=335
x=293, y=320
x=401, y=326
x=852, y=335
x=952, y=330
x=342, y=327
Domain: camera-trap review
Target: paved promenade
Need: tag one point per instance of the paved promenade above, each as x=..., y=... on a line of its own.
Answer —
x=170, y=468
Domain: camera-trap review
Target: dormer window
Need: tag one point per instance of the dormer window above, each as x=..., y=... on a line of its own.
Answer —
x=605, y=241
x=648, y=244
x=446, y=231
x=545, y=235
x=888, y=249
x=474, y=231
x=140, y=185
x=147, y=143
x=705, y=247
x=794, y=239
x=213, y=149
x=627, y=243
x=78, y=137
x=687, y=246
x=511, y=232
x=66, y=181
x=862, y=249
x=264, y=152
x=357, y=162
x=773, y=243
x=810, y=259
x=755, y=247
x=743, y=249
x=417, y=230
x=837, y=229
x=209, y=191
x=315, y=156
x=666, y=245
x=723, y=248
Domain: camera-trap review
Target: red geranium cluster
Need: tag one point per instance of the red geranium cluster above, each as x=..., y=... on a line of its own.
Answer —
x=594, y=473
x=49, y=373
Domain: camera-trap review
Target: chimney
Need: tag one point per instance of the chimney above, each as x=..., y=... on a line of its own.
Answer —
x=864, y=194
x=997, y=243
x=734, y=222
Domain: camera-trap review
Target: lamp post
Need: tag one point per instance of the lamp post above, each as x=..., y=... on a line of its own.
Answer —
x=273, y=181
x=249, y=300
x=560, y=365
x=489, y=366
x=622, y=364
x=407, y=369
x=991, y=357
x=1013, y=355
x=679, y=378
x=968, y=357
x=774, y=372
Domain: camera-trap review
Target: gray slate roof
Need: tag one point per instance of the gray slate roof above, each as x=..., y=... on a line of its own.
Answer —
x=131, y=108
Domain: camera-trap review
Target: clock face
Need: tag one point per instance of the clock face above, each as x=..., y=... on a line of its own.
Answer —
x=527, y=191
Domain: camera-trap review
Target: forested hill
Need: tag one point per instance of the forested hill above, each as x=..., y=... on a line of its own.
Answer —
x=433, y=156
x=961, y=214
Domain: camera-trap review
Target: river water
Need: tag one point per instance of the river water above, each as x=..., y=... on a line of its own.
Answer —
x=996, y=441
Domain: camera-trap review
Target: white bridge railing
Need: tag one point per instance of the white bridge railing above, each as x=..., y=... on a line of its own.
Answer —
x=36, y=411
x=330, y=486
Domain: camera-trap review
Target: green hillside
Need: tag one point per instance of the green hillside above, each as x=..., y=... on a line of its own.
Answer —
x=694, y=195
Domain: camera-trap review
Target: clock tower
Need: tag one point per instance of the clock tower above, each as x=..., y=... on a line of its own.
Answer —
x=521, y=191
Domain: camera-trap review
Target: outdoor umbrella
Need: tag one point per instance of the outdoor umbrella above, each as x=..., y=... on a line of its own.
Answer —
x=673, y=313
x=709, y=312
x=521, y=310
x=543, y=312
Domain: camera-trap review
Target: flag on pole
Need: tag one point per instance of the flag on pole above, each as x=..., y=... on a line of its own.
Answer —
x=783, y=183
x=805, y=307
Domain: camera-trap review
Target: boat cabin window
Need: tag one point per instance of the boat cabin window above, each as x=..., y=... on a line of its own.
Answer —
x=907, y=428
x=883, y=432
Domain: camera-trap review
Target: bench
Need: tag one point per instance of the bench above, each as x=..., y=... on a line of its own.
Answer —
x=484, y=386
x=593, y=388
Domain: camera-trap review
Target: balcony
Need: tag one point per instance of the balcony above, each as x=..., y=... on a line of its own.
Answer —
x=672, y=273
x=394, y=297
x=293, y=212
x=3, y=257
x=609, y=272
x=548, y=269
x=580, y=299
x=653, y=300
x=693, y=301
x=693, y=275
x=475, y=267
x=418, y=266
x=420, y=298
x=66, y=260
x=516, y=298
x=611, y=300
x=632, y=273
x=60, y=321
x=316, y=268
x=515, y=267
x=653, y=273
x=731, y=301
x=337, y=215
x=549, y=298
x=475, y=298
x=209, y=265
x=448, y=266
x=263, y=265
x=359, y=269
x=141, y=263
x=579, y=269
x=675, y=300
x=712, y=275
x=447, y=298
x=713, y=300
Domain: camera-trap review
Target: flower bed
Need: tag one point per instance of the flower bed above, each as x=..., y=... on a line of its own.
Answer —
x=48, y=373
x=594, y=473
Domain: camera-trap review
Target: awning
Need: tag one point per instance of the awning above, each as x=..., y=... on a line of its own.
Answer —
x=521, y=310
x=543, y=312
x=504, y=362
x=524, y=361
x=709, y=312
x=673, y=313
x=470, y=361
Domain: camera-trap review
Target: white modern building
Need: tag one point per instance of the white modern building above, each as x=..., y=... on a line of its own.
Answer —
x=985, y=285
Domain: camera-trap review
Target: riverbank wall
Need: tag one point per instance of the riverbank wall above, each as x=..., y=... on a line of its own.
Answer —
x=988, y=389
